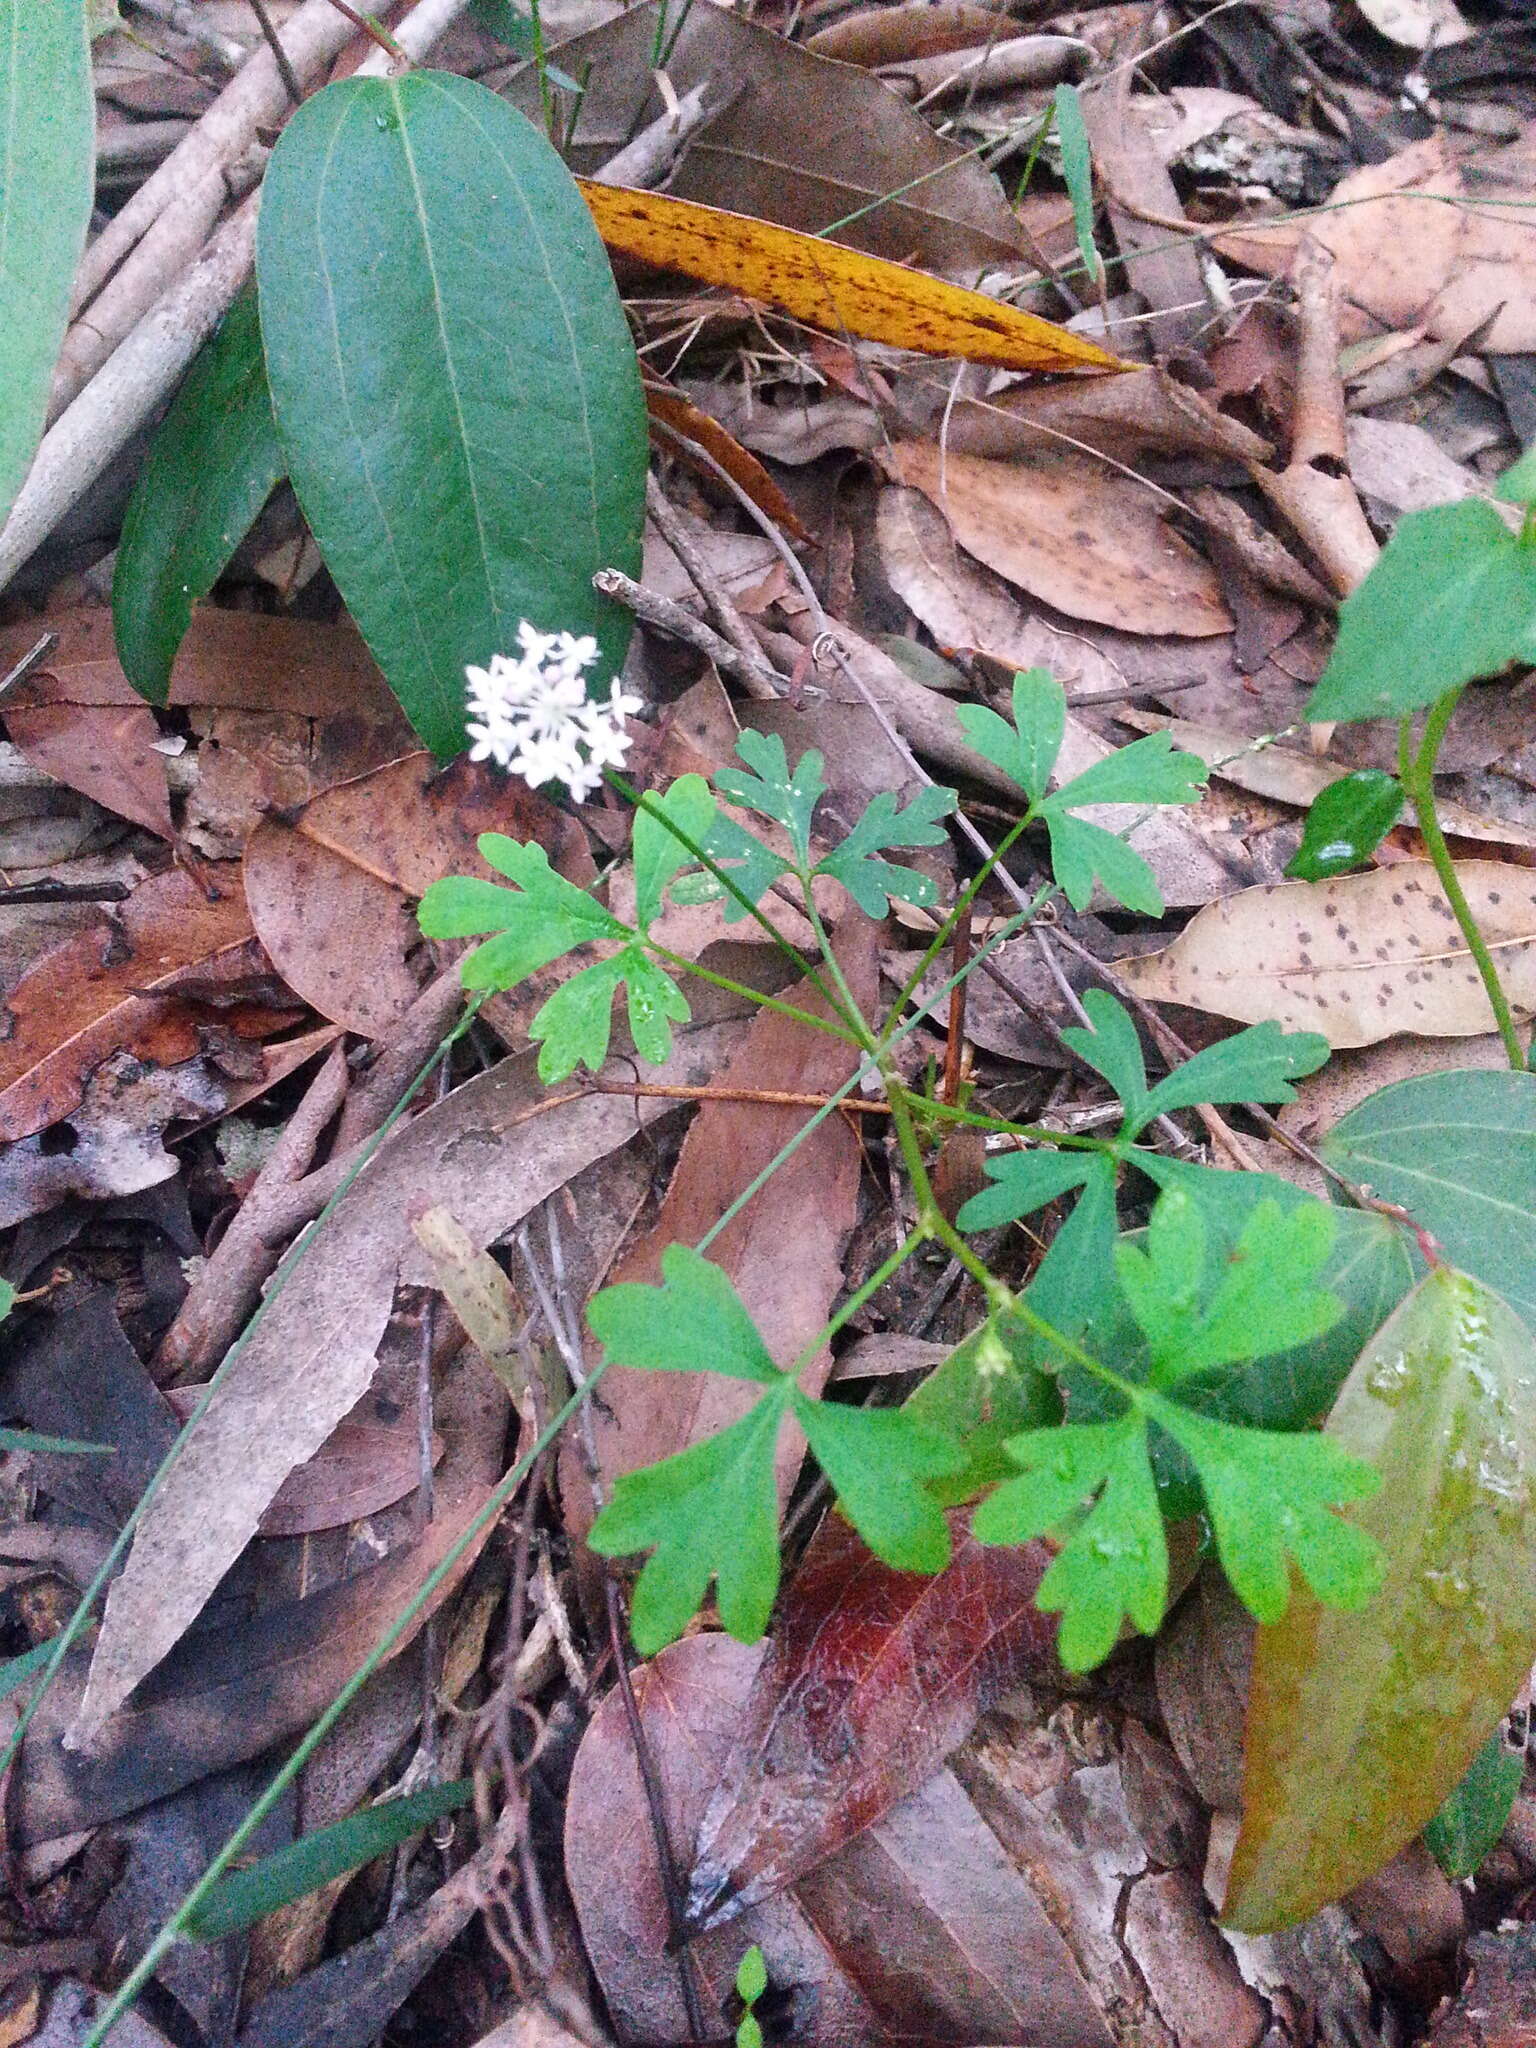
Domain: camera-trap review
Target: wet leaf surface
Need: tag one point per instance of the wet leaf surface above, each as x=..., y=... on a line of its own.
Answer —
x=1360, y=1725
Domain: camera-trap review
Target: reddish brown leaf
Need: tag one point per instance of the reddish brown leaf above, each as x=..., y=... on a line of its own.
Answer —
x=874, y=1676
x=694, y=426
x=783, y=1252
x=690, y=1699
x=105, y=751
x=329, y=889
x=103, y=992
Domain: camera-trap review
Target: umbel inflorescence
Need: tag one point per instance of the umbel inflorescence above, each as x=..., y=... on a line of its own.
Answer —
x=530, y=713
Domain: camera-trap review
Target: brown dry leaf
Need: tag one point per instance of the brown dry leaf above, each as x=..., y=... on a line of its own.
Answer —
x=698, y=429
x=873, y=1678
x=913, y=28
x=690, y=1699
x=1496, y=2006
x=795, y=138
x=1163, y=268
x=783, y=1252
x=313, y=1355
x=1423, y=241
x=1088, y=540
x=1144, y=412
x=328, y=890
x=962, y=606
x=107, y=752
x=111, y=989
x=843, y=291
x=1358, y=958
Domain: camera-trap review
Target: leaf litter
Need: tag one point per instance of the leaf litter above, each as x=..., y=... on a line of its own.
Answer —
x=273, y=827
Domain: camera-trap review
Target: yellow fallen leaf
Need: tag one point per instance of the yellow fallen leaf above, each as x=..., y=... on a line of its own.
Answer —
x=841, y=290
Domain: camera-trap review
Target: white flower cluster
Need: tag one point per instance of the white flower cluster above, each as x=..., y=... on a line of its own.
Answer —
x=530, y=713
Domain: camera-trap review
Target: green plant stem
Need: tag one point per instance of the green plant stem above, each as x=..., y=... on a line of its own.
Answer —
x=64, y=1641
x=175, y=1927
x=1417, y=771
x=967, y=898
x=740, y=988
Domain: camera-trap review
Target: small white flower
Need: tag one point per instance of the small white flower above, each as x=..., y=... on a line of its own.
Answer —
x=531, y=715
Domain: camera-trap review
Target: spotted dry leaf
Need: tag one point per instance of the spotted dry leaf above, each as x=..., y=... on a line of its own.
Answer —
x=1359, y=958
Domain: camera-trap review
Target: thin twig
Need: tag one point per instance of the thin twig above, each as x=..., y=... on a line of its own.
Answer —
x=668, y=616
x=280, y=58
x=670, y=525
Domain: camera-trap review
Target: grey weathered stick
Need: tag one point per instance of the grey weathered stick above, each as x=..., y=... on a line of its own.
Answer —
x=669, y=617
x=670, y=525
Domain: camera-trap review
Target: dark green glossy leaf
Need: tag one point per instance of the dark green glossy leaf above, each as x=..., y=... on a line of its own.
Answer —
x=47, y=173
x=1347, y=822
x=304, y=1866
x=210, y=469
x=1468, y=1826
x=1360, y=1725
x=1453, y=597
x=456, y=391
x=1457, y=1150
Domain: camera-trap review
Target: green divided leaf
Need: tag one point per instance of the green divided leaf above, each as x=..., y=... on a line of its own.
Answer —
x=1468, y=1826
x=1026, y=750
x=772, y=791
x=1453, y=597
x=658, y=851
x=1083, y=854
x=695, y=1321
x=1148, y=771
x=1113, y=1049
x=456, y=391
x=210, y=469
x=1361, y=1725
x=1457, y=1150
x=878, y=1460
x=1024, y=1182
x=542, y=918
x=1264, y=1302
x=1347, y=822
x=573, y=1027
x=304, y=1866
x=1114, y=1563
x=871, y=882
x=1256, y=1064
x=710, y=1512
x=752, y=866
x=47, y=174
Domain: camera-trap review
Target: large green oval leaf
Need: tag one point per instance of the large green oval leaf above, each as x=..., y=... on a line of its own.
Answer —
x=47, y=175
x=210, y=470
x=1457, y=1150
x=456, y=391
x=1360, y=1725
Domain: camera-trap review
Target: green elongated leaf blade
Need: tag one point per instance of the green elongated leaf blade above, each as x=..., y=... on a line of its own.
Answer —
x=1115, y=1561
x=870, y=881
x=1077, y=171
x=659, y=852
x=1254, y=1065
x=1026, y=750
x=1452, y=597
x=47, y=177
x=1148, y=771
x=59, y=1446
x=244, y=1896
x=1457, y=1150
x=1360, y=1725
x=211, y=467
x=1082, y=854
x=456, y=391
x=7, y=1299
x=695, y=1321
x=878, y=1460
x=1468, y=1826
x=772, y=791
x=538, y=921
x=710, y=1512
x=1517, y=486
x=1113, y=1049
x=17, y=1670
x=1024, y=1182
x=1347, y=822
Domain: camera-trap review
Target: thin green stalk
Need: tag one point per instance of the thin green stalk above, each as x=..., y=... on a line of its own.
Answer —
x=740, y=988
x=1418, y=778
x=67, y=1636
x=967, y=898
x=176, y=1926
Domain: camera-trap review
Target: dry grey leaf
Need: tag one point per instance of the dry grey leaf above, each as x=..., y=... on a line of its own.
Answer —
x=313, y=1355
x=1359, y=958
